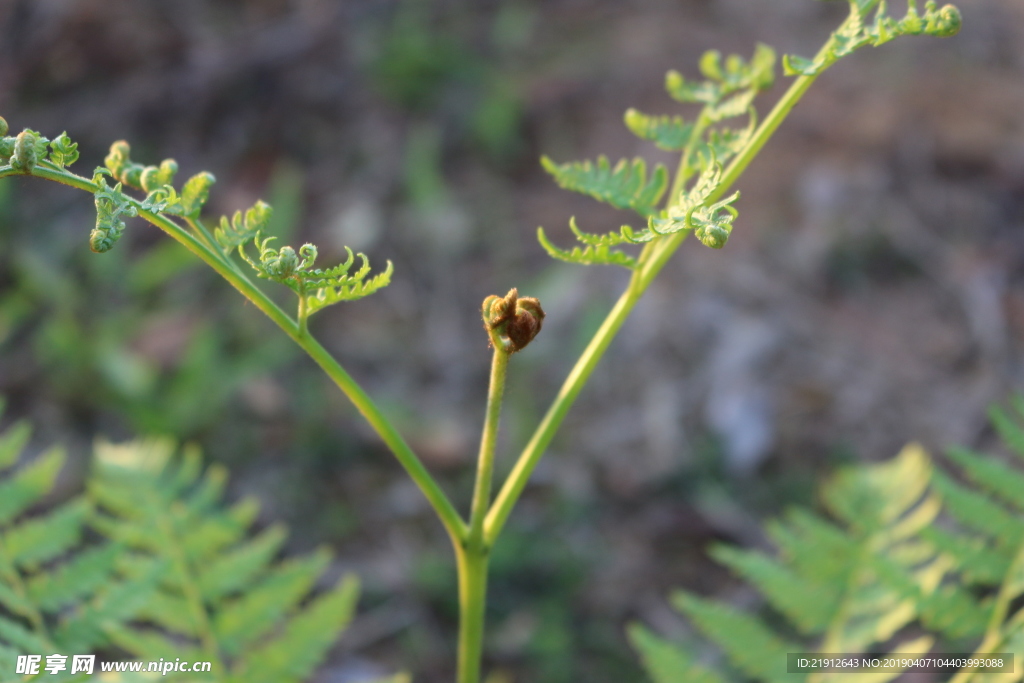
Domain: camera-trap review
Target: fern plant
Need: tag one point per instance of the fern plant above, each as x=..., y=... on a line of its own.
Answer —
x=825, y=581
x=177, y=576
x=909, y=545
x=697, y=198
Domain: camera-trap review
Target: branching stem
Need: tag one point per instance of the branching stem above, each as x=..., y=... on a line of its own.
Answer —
x=653, y=257
x=216, y=259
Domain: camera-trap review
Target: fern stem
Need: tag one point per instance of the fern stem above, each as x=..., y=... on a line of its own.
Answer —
x=472, y=554
x=303, y=315
x=488, y=439
x=472, y=568
x=216, y=259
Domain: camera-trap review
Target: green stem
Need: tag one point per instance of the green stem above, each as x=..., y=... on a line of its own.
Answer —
x=472, y=554
x=488, y=439
x=471, y=562
x=652, y=260
x=303, y=315
x=214, y=258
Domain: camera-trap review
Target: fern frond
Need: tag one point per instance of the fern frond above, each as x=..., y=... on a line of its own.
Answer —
x=624, y=186
x=336, y=284
x=243, y=228
x=597, y=248
x=857, y=32
x=195, y=193
x=987, y=547
x=711, y=224
x=316, y=288
x=220, y=595
x=63, y=152
x=724, y=79
x=112, y=207
x=844, y=586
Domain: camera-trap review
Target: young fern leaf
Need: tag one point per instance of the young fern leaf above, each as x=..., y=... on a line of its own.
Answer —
x=316, y=288
x=112, y=205
x=856, y=32
x=137, y=176
x=825, y=581
x=242, y=228
x=326, y=287
x=49, y=583
x=624, y=186
x=730, y=87
x=222, y=597
x=711, y=224
x=63, y=152
x=195, y=193
x=597, y=248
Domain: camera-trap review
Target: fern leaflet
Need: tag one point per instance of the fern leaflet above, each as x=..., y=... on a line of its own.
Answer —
x=597, y=249
x=624, y=186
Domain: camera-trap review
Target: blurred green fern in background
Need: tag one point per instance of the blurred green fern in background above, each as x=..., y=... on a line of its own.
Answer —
x=906, y=543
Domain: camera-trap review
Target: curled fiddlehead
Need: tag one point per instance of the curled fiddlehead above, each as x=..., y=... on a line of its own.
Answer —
x=111, y=205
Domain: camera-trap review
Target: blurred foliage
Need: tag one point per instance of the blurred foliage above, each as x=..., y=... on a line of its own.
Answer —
x=432, y=62
x=120, y=332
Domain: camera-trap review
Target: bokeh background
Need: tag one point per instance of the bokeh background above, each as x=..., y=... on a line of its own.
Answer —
x=872, y=293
